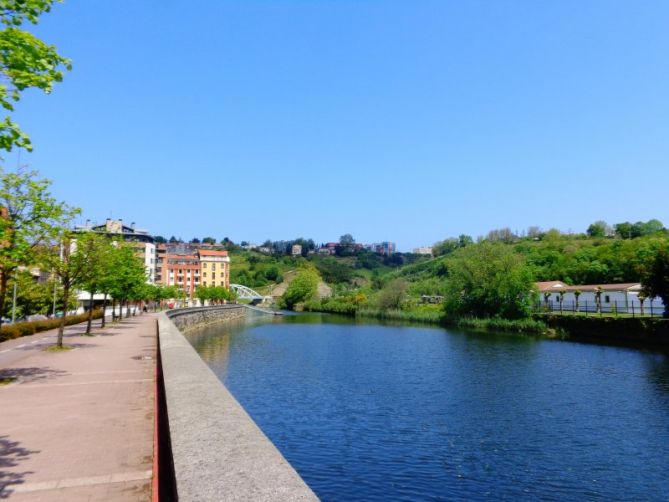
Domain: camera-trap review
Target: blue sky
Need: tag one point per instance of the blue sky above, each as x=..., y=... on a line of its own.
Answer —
x=408, y=121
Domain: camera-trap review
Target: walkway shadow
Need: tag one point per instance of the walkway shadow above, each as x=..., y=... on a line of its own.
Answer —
x=11, y=455
x=29, y=375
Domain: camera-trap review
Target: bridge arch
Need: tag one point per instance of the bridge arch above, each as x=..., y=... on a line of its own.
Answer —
x=246, y=293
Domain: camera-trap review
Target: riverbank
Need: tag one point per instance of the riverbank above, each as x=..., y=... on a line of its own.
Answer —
x=643, y=332
x=433, y=314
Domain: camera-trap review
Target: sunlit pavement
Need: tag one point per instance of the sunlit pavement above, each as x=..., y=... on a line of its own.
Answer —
x=78, y=425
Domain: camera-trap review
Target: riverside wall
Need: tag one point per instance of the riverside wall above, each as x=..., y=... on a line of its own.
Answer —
x=644, y=332
x=218, y=452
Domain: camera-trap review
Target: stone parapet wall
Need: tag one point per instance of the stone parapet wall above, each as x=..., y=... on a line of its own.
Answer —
x=189, y=318
x=218, y=452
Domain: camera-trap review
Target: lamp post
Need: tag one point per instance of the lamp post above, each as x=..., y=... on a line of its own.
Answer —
x=14, y=300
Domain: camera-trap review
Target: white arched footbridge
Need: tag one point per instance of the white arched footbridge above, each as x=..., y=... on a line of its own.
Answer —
x=246, y=293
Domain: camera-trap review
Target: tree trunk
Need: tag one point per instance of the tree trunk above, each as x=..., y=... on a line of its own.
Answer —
x=127, y=309
x=61, y=326
x=89, y=324
x=104, y=311
x=3, y=294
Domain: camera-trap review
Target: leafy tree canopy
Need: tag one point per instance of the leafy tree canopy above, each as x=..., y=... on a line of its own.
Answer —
x=488, y=280
x=656, y=282
x=25, y=62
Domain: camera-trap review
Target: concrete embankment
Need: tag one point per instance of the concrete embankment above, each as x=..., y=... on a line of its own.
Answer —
x=217, y=451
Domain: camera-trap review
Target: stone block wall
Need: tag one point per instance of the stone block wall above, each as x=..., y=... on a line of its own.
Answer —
x=187, y=319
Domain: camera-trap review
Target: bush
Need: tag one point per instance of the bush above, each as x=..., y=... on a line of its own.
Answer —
x=302, y=289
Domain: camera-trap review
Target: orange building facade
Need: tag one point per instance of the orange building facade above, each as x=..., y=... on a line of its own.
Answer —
x=190, y=268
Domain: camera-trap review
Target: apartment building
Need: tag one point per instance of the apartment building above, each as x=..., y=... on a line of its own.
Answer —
x=189, y=268
x=215, y=267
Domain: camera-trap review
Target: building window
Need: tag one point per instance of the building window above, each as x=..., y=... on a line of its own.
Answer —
x=607, y=299
x=204, y=265
x=213, y=275
x=204, y=274
x=213, y=266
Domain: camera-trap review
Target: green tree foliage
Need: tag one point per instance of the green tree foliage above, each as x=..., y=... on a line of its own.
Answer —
x=447, y=246
x=71, y=260
x=99, y=272
x=656, y=282
x=392, y=295
x=346, y=240
x=303, y=288
x=488, y=280
x=33, y=297
x=209, y=240
x=32, y=219
x=599, y=229
x=578, y=260
x=627, y=230
x=25, y=62
x=334, y=271
x=128, y=274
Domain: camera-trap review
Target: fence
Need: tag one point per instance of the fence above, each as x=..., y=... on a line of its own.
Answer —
x=615, y=308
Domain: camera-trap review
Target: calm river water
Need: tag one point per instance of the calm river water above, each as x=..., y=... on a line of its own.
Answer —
x=365, y=411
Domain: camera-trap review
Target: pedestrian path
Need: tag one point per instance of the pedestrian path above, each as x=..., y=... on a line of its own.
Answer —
x=79, y=425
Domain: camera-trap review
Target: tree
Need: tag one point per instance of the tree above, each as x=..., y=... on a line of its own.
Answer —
x=346, y=240
x=25, y=62
x=203, y=294
x=29, y=218
x=70, y=260
x=577, y=294
x=173, y=240
x=209, y=240
x=656, y=282
x=99, y=268
x=598, y=298
x=502, y=234
x=159, y=239
x=599, y=229
x=393, y=294
x=129, y=274
x=33, y=297
x=302, y=288
x=195, y=240
x=488, y=280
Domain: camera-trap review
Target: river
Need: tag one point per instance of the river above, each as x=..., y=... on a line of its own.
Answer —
x=370, y=411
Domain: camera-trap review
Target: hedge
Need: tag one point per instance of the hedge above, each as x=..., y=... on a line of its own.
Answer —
x=11, y=331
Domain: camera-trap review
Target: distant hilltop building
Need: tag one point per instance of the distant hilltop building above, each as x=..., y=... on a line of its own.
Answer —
x=386, y=248
x=137, y=237
x=296, y=250
x=427, y=250
x=330, y=248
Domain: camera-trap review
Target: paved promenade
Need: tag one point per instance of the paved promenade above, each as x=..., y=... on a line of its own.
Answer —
x=79, y=425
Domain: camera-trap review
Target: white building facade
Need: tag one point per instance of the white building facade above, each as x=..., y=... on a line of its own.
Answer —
x=626, y=298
